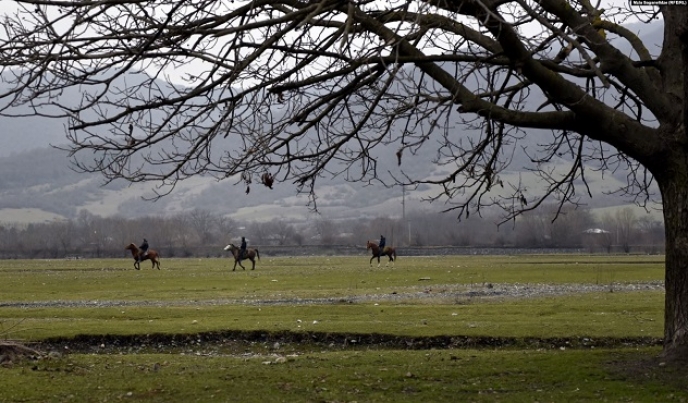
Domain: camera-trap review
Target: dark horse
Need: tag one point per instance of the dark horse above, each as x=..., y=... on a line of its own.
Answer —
x=251, y=255
x=389, y=251
x=151, y=255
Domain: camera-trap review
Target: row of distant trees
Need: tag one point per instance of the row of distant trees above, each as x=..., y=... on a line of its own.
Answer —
x=202, y=233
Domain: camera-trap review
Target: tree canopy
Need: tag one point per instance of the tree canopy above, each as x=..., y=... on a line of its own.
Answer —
x=301, y=89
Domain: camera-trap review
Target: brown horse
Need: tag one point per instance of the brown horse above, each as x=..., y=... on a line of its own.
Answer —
x=251, y=255
x=389, y=251
x=151, y=255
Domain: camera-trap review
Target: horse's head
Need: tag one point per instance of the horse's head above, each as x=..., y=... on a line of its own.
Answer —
x=369, y=245
x=131, y=246
x=230, y=247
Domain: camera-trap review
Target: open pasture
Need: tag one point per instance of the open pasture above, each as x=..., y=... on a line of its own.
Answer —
x=421, y=296
x=310, y=277
x=519, y=316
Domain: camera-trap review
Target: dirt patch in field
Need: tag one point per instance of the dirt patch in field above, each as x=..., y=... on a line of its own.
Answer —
x=11, y=352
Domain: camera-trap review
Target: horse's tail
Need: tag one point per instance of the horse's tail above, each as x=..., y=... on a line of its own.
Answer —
x=257, y=254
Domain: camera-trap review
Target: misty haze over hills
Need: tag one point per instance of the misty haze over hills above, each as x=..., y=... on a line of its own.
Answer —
x=37, y=183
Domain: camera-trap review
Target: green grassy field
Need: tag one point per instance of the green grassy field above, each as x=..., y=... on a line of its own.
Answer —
x=196, y=331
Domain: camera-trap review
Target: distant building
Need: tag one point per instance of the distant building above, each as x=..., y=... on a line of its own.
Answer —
x=596, y=231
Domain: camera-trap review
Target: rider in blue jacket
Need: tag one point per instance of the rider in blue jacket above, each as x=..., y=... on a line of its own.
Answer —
x=143, y=249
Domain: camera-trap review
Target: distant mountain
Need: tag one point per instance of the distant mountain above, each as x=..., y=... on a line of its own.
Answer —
x=22, y=134
x=39, y=186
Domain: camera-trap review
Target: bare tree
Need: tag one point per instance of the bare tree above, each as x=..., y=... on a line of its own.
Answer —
x=568, y=229
x=283, y=232
x=532, y=230
x=652, y=233
x=382, y=226
x=88, y=238
x=626, y=227
x=259, y=233
x=204, y=223
x=326, y=231
x=65, y=232
x=179, y=227
x=302, y=89
x=225, y=226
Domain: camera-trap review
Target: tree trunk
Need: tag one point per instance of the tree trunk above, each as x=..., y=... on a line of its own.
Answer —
x=675, y=204
x=672, y=178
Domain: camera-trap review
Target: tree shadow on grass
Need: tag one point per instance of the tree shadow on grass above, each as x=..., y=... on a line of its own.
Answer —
x=652, y=368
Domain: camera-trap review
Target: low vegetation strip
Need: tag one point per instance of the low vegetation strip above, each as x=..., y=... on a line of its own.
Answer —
x=209, y=342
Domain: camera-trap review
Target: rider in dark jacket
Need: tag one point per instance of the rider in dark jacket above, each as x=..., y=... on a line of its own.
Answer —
x=143, y=249
x=242, y=248
x=382, y=245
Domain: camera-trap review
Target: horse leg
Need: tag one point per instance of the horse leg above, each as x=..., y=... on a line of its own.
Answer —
x=391, y=259
x=378, y=260
x=136, y=265
x=235, y=262
x=254, y=263
x=242, y=266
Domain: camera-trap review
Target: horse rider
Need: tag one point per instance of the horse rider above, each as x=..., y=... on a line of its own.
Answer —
x=143, y=250
x=382, y=245
x=242, y=248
